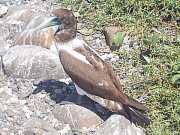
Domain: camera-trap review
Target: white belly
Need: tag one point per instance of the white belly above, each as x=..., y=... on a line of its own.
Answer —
x=80, y=91
x=69, y=48
x=74, y=53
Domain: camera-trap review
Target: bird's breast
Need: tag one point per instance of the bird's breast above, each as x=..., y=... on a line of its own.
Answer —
x=74, y=54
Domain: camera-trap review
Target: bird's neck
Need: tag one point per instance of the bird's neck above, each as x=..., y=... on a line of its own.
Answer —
x=72, y=47
x=66, y=35
x=71, y=44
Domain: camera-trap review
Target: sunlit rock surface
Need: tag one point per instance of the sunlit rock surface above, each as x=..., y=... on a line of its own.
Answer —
x=32, y=62
x=32, y=35
x=19, y=14
x=118, y=125
x=76, y=116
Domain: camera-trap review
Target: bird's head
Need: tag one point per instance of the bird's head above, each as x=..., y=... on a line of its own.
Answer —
x=66, y=22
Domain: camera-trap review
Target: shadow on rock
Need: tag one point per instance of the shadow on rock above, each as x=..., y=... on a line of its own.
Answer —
x=67, y=94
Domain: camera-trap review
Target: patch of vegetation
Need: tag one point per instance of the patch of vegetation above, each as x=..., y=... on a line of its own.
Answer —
x=157, y=80
x=153, y=65
x=118, y=38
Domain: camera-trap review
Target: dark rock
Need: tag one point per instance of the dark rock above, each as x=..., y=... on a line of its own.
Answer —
x=118, y=125
x=109, y=33
x=32, y=62
x=1, y=69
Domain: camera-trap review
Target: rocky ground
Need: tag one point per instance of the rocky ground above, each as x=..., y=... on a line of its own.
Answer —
x=33, y=98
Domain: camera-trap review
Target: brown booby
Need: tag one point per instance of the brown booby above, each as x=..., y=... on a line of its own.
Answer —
x=84, y=66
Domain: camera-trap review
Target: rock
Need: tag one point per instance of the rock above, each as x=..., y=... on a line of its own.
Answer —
x=1, y=69
x=3, y=10
x=110, y=57
x=17, y=18
x=76, y=116
x=118, y=125
x=12, y=2
x=3, y=132
x=32, y=62
x=66, y=130
x=29, y=132
x=110, y=34
x=3, y=47
x=44, y=37
x=22, y=87
x=5, y=92
x=39, y=106
x=38, y=127
x=19, y=14
x=15, y=22
x=11, y=108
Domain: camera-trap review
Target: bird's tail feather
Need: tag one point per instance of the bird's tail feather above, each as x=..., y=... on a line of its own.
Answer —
x=136, y=105
x=135, y=116
x=139, y=118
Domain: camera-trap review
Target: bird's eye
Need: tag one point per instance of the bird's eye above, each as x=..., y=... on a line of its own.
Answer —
x=60, y=28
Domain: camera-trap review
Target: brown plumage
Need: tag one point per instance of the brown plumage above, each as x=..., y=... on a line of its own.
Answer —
x=89, y=76
x=69, y=25
x=97, y=78
x=94, y=75
x=86, y=68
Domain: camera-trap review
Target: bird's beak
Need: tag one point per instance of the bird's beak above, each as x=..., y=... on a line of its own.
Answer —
x=52, y=21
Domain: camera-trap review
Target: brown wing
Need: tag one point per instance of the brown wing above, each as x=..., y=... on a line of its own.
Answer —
x=87, y=77
x=96, y=78
x=115, y=80
x=108, y=66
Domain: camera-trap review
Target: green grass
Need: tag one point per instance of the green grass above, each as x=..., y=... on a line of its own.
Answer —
x=164, y=95
x=155, y=26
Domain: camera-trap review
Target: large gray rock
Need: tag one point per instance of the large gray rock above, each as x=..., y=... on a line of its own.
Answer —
x=76, y=116
x=32, y=62
x=19, y=14
x=118, y=125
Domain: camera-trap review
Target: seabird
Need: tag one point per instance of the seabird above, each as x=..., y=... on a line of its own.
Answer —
x=85, y=67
